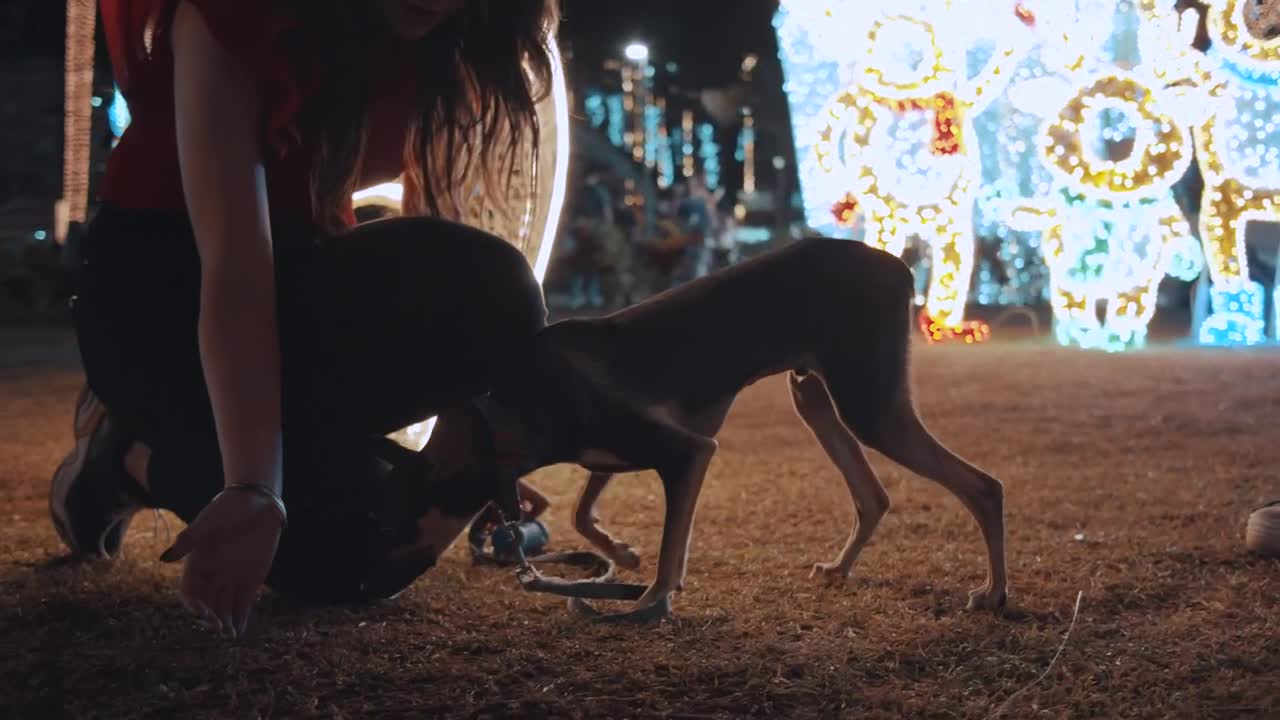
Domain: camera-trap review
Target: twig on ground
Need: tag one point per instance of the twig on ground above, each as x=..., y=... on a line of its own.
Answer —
x=1000, y=710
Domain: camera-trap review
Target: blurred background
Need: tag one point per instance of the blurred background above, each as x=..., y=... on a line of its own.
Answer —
x=701, y=79
x=691, y=129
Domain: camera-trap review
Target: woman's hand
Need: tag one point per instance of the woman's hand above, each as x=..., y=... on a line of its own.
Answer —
x=228, y=549
x=218, y=112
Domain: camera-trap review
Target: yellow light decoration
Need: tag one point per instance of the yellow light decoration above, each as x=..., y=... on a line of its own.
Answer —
x=1240, y=165
x=1162, y=146
x=916, y=82
x=860, y=144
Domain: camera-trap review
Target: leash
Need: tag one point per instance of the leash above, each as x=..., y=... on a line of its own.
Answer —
x=599, y=586
x=509, y=452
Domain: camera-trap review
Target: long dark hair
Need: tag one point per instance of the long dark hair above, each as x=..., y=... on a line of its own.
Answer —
x=482, y=73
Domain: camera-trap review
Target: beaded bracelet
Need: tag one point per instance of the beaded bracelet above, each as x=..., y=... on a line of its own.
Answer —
x=275, y=499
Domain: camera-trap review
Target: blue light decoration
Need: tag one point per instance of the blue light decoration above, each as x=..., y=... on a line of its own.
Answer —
x=1238, y=146
x=746, y=137
x=666, y=159
x=814, y=66
x=1009, y=270
x=593, y=105
x=617, y=119
x=1237, y=315
x=118, y=116
x=653, y=137
x=709, y=153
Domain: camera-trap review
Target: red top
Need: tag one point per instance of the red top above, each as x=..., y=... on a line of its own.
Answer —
x=142, y=171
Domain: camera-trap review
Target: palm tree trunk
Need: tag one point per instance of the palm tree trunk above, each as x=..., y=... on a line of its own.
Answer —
x=78, y=117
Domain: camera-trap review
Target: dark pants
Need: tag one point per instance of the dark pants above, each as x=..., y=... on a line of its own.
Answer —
x=380, y=328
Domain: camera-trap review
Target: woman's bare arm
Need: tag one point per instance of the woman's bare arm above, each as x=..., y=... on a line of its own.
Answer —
x=219, y=148
x=229, y=548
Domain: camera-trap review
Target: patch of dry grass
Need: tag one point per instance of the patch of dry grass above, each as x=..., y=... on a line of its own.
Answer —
x=1128, y=478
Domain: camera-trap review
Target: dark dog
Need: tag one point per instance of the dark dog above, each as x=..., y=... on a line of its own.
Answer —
x=649, y=388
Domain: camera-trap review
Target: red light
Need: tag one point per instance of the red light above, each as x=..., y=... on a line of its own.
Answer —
x=1027, y=17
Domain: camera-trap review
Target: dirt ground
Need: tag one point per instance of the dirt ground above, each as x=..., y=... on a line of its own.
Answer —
x=1128, y=478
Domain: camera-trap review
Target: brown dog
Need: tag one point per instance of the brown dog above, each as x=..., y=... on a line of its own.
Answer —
x=649, y=388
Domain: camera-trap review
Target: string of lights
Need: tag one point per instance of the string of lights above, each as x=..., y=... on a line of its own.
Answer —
x=1070, y=170
x=894, y=150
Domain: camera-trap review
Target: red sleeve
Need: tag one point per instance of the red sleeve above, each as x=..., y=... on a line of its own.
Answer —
x=124, y=23
x=255, y=32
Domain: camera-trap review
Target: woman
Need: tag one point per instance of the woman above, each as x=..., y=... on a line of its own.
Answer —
x=237, y=333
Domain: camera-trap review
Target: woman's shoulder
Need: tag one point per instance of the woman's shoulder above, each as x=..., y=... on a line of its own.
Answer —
x=247, y=25
x=266, y=36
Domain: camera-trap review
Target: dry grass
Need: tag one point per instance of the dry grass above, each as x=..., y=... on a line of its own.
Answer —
x=1128, y=478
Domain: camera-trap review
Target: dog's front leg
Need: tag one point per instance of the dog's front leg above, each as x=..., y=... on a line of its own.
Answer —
x=587, y=524
x=681, y=458
x=681, y=483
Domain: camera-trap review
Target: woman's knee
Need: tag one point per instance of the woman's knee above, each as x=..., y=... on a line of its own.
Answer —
x=442, y=253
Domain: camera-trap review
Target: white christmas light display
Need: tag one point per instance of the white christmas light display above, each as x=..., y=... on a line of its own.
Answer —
x=817, y=60
x=896, y=142
x=1238, y=145
x=1112, y=228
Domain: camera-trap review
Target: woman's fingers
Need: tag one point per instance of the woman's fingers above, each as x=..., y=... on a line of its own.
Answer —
x=193, y=592
x=242, y=606
x=207, y=616
x=199, y=592
x=228, y=550
x=224, y=596
x=201, y=610
x=187, y=541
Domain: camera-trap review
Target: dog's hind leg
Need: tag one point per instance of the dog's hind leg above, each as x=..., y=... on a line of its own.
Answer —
x=897, y=432
x=870, y=501
x=587, y=524
x=870, y=387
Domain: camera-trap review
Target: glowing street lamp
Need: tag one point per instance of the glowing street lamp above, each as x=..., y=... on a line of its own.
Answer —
x=635, y=78
x=637, y=52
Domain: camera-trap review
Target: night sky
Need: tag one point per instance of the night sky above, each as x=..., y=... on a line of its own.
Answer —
x=706, y=37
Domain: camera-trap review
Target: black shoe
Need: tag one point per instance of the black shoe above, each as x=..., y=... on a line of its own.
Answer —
x=92, y=498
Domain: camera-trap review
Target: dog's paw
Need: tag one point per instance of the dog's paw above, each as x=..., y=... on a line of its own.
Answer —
x=829, y=573
x=646, y=613
x=987, y=599
x=624, y=556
